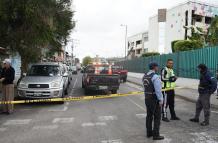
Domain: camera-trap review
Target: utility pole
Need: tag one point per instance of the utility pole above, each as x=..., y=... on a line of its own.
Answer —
x=126, y=30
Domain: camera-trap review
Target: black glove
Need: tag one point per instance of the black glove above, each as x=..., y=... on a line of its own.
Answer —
x=172, y=79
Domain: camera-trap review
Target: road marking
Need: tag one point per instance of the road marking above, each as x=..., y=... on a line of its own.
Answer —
x=107, y=118
x=67, y=103
x=17, y=122
x=141, y=116
x=203, y=137
x=59, y=110
x=112, y=141
x=63, y=120
x=94, y=124
x=2, y=129
x=136, y=103
x=50, y=127
x=88, y=125
x=74, y=85
x=166, y=140
x=215, y=112
x=100, y=124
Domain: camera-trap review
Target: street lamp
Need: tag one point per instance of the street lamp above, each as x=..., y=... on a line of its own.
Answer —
x=126, y=28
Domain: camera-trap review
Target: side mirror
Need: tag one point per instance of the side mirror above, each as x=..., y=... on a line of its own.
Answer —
x=24, y=74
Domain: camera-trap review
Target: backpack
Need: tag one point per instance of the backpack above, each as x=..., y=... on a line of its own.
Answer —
x=213, y=87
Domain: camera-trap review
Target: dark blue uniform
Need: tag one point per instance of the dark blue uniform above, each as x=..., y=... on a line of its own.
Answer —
x=207, y=86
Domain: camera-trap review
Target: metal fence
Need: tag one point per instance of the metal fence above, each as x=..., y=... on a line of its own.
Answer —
x=185, y=63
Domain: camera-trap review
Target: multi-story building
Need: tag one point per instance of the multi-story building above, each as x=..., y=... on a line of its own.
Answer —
x=137, y=45
x=175, y=24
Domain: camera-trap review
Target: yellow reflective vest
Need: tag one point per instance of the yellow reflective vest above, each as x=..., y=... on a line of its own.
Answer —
x=167, y=83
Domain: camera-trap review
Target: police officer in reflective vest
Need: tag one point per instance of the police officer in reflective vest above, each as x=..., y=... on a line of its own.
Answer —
x=168, y=81
x=153, y=101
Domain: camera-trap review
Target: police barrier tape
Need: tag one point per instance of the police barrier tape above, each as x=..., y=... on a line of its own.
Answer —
x=77, y=98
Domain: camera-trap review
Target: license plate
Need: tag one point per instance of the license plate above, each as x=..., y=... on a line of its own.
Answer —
x=37, y=94
x=103, y=87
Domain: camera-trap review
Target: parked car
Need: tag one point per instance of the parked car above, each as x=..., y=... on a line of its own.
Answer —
x=74, y=70
x=120, y=70
x=98, y=77
x=44, y=80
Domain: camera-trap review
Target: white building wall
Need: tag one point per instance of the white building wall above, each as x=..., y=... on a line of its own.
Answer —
x=153, y=34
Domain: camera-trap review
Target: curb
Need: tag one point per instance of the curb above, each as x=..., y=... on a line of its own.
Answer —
x=177, y=95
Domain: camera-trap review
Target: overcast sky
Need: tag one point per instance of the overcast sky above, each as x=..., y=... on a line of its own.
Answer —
x=98, y=29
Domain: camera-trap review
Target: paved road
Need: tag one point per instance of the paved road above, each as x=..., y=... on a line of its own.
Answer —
x=117, y=120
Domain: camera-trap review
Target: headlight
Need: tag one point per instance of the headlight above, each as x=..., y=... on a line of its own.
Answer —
x=23, y=85
x=55, y=84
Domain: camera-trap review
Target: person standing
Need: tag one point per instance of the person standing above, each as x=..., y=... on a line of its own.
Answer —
x=153, y=101
x=168, y=81
x=207, y=86
x=7, y=78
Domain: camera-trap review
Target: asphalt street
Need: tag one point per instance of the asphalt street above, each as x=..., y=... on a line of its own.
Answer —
x=112, y=120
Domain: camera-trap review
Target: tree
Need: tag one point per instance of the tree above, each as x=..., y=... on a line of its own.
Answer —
x=30, y=25
x=149, y=54
x=87, y=60
x=212, y=37
x=186, y=45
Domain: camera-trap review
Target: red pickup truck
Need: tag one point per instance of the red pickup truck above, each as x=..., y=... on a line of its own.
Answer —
x=120, y=71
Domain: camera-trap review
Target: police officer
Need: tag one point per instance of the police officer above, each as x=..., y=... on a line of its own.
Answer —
x=153, y=101
x=207, y=86
x=168, y=81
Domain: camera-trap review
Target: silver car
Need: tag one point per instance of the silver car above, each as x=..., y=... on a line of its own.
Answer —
x=44, y=80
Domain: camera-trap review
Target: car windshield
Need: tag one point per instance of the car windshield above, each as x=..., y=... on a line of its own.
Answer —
x=117, y=67
x=44, y=70
x=101, y=69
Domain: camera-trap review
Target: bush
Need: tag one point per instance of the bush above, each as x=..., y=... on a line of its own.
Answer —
x=187, y=45
x=149, y=54
x=173, y=45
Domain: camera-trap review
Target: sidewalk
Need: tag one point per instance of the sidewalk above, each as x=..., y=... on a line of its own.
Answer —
x=188, y=90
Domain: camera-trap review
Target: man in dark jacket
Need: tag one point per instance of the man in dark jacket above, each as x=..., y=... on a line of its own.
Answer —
x=7, y=78
x=207, y=86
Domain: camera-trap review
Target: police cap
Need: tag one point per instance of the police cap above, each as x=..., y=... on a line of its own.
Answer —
x=152, y=65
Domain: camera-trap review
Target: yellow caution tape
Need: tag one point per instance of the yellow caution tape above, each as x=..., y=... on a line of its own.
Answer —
x=81, y=98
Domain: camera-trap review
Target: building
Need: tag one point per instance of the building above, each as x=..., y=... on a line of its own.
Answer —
x=137, y=45
x=175, y=23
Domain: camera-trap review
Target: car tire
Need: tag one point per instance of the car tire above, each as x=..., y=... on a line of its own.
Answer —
x=114, y=91
x=87, y=91
x=124, y=79
x=83, y=85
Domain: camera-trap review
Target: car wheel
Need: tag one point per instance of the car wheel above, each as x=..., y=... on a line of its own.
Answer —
x=114, y=91
x=87, y=91
x=124, y=79
x=83, y=85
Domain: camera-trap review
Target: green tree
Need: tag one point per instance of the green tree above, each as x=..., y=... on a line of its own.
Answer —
x=212, y=37
x=149, y=54
x=186, y=45
x=86, y=60
x=30, y=25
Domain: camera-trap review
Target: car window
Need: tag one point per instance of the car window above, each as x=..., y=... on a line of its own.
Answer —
x=44, y=70
x=104, y=69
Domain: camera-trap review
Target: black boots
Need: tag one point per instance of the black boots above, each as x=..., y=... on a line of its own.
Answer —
x=158, y=137
x=194, y=120
x=175, y=118
x=204, y=123
x=165, y=119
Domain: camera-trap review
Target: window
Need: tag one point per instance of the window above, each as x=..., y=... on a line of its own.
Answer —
x=138, y=42
x=145, y=39
x=196, y=18
x=138, y=51
x=208, y=20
